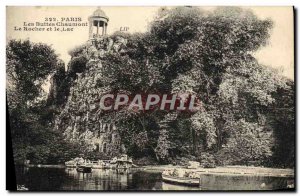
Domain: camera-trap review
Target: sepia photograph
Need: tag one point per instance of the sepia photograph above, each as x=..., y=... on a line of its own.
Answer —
x=164, y=98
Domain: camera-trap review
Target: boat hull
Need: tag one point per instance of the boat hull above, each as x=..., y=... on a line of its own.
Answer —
x=181, y=180
x=84, y=169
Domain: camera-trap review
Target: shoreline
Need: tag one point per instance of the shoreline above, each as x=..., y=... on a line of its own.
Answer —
x=230, y=170
x=225, y=170
x=44, y=166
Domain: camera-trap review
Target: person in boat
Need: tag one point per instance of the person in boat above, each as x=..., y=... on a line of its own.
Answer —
x=193, y=175
x=168, y=172
x=181, y=173
x=174, y=172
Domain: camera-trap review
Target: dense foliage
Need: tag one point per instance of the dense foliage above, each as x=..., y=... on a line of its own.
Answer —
x=31, y=117
x=210, y=54
x=247, y=113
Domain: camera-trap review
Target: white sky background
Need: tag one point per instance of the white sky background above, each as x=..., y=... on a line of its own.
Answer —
x=278, y=54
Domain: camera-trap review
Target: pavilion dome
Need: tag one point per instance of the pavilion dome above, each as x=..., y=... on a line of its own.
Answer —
x=99, y=13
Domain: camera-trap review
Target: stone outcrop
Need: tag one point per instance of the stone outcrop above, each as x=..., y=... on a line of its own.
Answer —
x=56, y=93
x=80, y=119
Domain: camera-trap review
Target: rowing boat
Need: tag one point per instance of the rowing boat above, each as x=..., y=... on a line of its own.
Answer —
x=181, y=180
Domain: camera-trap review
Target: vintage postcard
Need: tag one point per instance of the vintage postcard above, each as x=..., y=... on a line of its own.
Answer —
x=150, y=98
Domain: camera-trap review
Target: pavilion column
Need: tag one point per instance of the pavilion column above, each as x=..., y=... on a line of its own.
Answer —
x=98, y=22
x=105, y=29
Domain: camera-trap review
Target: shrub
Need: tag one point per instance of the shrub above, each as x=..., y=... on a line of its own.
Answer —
x=208, y=160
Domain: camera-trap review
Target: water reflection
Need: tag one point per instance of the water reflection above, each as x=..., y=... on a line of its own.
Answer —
x=99, y=179
x=133, y=179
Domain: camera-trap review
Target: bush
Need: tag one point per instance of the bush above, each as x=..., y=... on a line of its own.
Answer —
x=145, y=161
x=77, y=65
x=208, y=160
x=183, y=161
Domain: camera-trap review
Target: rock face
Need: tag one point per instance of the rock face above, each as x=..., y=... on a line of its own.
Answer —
x=56, y=94
x=80, y=120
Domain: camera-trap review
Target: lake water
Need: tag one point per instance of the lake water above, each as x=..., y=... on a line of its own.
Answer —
x=56, y=179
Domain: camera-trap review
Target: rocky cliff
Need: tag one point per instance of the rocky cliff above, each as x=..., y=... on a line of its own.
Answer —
x=80, y=119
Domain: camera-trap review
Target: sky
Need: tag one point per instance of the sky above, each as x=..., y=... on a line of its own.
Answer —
x=279, y=53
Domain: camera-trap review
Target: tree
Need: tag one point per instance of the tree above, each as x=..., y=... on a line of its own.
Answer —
x=249, y=142
x=206, y=53
x=282, y=112
x=28, y=66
